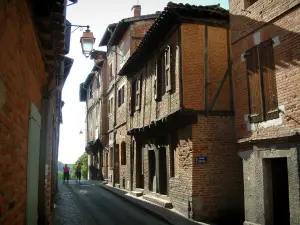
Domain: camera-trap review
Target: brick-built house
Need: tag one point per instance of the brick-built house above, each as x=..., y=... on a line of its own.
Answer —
x=121, y=41
x=180, y=115
x=92, y=92
x=266, y=58
x=33, y=69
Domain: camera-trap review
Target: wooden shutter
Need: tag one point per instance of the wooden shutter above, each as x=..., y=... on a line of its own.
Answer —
x=119, y=97
x=157, y=86
x=162, y=75
x=123, y=94
x=138, y=92
x=167, y=70
x=269, y=80
x=254, y=86
x=131, y=99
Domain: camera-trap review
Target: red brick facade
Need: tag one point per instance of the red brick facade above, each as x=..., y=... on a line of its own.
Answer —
x=120, y=174
x=274, y=142
x=205, y=192
x=23, y=76
x=23, y=81
x=280, y=23
x=114, y=161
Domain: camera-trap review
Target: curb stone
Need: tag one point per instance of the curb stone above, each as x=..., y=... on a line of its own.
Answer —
x=115, y=191
x=137, y=204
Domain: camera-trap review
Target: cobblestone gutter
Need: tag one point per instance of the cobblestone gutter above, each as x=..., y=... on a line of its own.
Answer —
x=66, y=211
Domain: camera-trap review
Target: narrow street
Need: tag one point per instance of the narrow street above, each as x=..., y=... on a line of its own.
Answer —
x=90, y=204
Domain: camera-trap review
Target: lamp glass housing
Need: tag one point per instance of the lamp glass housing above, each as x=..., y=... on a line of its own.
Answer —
x=87, y=42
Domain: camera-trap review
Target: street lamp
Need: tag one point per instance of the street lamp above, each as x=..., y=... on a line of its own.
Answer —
x=87, y=42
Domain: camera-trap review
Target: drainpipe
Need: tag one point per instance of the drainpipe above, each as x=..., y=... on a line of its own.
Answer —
x=115, y=114
x=86, y=136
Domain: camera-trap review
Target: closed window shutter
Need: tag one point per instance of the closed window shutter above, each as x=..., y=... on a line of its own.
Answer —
x=138, y=93
x=158, y=83
x=123, y=94
x=168, y=68
x=162, y=76
x=130, y=99
x=119, y=97
x=254, y=85
x=269, y=80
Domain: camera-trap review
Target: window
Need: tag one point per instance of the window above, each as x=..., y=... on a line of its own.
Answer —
x=110, y=105
x=121, y=96
x=122, y=49
x=91, y=91
x=111, y=157
x=110, y=73
x=167, y=68
x=248, y=3
x=96, y=134
x=123, y=153
x=262, y=89
x=163, y=68
x=135, y=96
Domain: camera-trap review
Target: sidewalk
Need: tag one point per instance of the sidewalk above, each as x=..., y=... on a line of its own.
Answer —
x=170, y=216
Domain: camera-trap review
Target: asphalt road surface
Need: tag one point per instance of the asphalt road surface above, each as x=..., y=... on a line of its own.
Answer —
x=97, y=206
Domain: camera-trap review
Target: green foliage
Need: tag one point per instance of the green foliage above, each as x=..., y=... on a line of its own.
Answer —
x=60, y=175
x=60, y=166
x=83, y=161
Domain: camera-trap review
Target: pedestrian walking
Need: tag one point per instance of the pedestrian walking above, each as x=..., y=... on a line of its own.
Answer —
x=78, y=173
x=66, y=172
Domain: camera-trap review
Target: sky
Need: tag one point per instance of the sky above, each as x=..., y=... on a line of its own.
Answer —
x=97, y=14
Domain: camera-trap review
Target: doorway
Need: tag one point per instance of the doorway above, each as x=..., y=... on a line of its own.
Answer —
x=117, y=165
x=162, y=171
x=277, y=191
x=106, y=165
x=152, y=169
x=139, y=168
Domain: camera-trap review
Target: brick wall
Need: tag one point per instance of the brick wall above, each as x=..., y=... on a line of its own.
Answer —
x=285, y=30
x=22, y=72
x=246, y=20
x=138, y=30
x=180, y=186
x=218, y=184
x=193, y=71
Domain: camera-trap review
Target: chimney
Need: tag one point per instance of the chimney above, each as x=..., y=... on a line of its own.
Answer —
x=136, y=10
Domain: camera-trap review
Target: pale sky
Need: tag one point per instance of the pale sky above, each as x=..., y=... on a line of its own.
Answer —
x=98, y=14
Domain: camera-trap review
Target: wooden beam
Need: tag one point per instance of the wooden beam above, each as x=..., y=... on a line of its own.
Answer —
x=230, y=70
x=217, y=95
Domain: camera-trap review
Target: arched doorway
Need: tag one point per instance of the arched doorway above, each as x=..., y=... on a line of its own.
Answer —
x=123, y=162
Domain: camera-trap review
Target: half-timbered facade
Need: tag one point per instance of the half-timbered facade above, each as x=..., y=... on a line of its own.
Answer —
x=181, y=115
x=92, y=93
x=121, y=40
x=265, y=48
